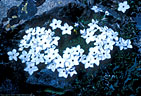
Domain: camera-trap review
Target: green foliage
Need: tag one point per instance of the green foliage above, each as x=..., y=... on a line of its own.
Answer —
x=121, y=77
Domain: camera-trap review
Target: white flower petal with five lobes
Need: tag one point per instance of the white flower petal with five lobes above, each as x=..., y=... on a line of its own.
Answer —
x=72, y=71
x=47, y=43
x=56, y=24
x=108, y=44
x=74, y=60
x=88, y=61
x=77, y=50
x=123, y=6
x=40, y=31
x=67, y=53
x=13, y=54
x=31, y=68
x=66, y=29
x=59, y=62
x=62, y=72
x=93, y=25
x=24, y=56
x=52, y=66
x=89, y=37
x=94, y=50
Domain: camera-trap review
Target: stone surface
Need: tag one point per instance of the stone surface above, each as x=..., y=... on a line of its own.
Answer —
x=5, y=5
x=42, y=5
x=49, y=4
x=48, y=78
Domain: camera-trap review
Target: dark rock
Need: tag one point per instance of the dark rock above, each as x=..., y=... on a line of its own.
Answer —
x=48, y=78
x=12, y=12
x=14, y=21
x=39, y=2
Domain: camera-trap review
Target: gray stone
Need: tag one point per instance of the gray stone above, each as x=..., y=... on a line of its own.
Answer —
x=48, y=78
x=5, y=5
x=49, y=4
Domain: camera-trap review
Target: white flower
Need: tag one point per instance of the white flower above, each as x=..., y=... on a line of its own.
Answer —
x=99, y=43
x=112, y=35
x=123, y=6
x=51, y=54
x=56, y=24
x=107, y=54
x=67, y=53
x=31, y=68
x=96, y=9
x=29, y=31
x=13, y=54
x=94, y=50
x=101, y=37
x=96, y=61
x=33, y=32
x=68, y=64
x=27, y=37
x=24, y=56
x=73, y=60
x=129, y=44
x=48, y=58
x=46, y=43
x=54, y=52
x=39, y=58
x=49, y=33
x=107, y=13
x=55, y=40
x=76, y=24
x=23, y=43
x=83, y=32
x=72, y=71
x=108, y=44
x=52, y=66
x=32, y=51
x=93, y=24
x=123, y=44
x=89, y=36
x=62, y=72
x=66, y=29
x=77, y=50
x=59, y=62
x=88, y=62
x=40, y=31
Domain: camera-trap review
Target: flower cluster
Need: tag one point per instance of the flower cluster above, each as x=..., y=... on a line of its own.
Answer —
x=39, y=46
x=103, y=43
x=66, y=65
